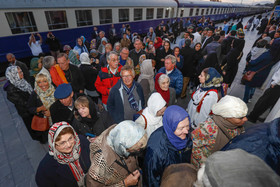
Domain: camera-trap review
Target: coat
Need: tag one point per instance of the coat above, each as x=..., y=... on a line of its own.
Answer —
x=255, y=65
x=262, y=140
x=75, y=78
x=115, y=101
x=161, y=54
x=160, y=154
x=135, y=56
x=59, y=113
x=104, y=169
x=188, y=68
x=176, y=79
x=52, y=173
x=90, y=74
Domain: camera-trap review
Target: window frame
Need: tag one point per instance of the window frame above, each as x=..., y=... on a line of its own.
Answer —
x=152, y=13
x=79, y=23
x=140, y=18
x=52, y=25
x=124, y=19
x=104, y=20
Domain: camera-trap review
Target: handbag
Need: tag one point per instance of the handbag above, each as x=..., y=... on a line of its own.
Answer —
x=40, y=124
x=249, y=75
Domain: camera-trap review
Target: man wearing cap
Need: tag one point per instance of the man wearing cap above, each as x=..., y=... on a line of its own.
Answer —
x=72, y=73
x=63, y=108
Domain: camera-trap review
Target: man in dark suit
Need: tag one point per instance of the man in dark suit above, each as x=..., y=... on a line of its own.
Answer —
x=94, y=34
x=13, y=62
x=208, y=39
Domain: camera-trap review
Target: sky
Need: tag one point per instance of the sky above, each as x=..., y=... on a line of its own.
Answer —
x=247, y=1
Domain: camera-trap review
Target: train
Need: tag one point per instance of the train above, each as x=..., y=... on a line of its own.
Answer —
x=69, y=19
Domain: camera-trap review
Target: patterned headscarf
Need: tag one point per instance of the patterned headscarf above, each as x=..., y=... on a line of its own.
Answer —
x=72, y=159
x=13, y=76
x=147, y=72
x=213, y=79
x=173, y=115
x=47, y=97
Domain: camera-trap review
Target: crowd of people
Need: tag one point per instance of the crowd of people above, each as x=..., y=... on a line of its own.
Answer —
x=109, y=107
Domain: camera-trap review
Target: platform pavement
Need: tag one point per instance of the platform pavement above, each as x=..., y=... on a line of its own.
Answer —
x=20, y=155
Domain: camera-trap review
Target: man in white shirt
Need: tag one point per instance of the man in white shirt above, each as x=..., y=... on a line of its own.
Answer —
x=197, y=35
x=34, y=45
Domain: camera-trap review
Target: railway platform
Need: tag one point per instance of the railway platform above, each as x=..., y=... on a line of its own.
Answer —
x=20, y=155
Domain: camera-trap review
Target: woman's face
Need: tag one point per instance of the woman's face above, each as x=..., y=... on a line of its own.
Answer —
x=117, y=47
x=202, y=77
x=176, y=51
x=237, y=121
x=43, y=84
x=182, y=129
x=161, y=111
x=164, y=85
x=80, y=42
x=84, y=111
x=166, y=46
x=197, y=47
x=20, y=73
x=66, y=143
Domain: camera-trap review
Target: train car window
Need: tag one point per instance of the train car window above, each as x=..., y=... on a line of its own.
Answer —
x=182, y=13
x=211, y=10
x=105, y=16
x=123, y=15
x=138, y=12
x=207, y=11
x=83, y=17
x=172, y=12
x=202, y=12
x=167, y=12
x=21, y=22
x=197, y=11
x=191, y=12
x=150, y=13
x=215, y=10
x=160, y=13
x=56, y=19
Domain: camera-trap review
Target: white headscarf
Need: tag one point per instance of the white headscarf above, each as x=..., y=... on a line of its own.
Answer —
x=84, y=58
x=230, y=107
x=125, y=135
x=147, y=72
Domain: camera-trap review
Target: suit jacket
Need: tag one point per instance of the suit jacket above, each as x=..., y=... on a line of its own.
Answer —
x=207, y=41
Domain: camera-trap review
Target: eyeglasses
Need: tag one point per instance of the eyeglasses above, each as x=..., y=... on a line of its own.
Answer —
x=64, y=143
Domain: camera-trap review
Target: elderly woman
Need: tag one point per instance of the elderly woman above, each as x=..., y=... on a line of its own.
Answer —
x=146, y=78
x=41, y=100
x=170, y=144
x=18, y=92
x=113, y=156
x=67, y=161
x=206, y=95
x=88, y=121
x=101, y=48
x=80, y=46
x=151, y=117
x=229, y=114
x=117, y=47
x=162, y=82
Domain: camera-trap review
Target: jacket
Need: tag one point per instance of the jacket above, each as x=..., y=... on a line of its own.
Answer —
x=75, y=77
x=115, y=101
x=262, y=140
x=105, y=169
x=135, y=56
x=160, y=154
x=52, y=173
x=105, y=81
x=59, y=113
x=188, y=68
x=161, y=54
x=176, y=79
x=90, y=74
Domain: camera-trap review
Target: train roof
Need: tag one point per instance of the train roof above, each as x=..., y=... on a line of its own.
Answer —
x=190, y=3
x=23, y=4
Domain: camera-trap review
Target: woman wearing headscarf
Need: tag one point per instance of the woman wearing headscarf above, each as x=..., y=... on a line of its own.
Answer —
x=162, y=82
x=40, y=101
x=88, y=121
x=117, y=47
x=170, y=144
x=80, y=46
x=205, y=96
x=162, y=53
x=151, y=117
x=158, y=43
x=198, y=61
x=67, y=162
x=146, y=78
x=113, y=156
x=229, y=115
x=85, y=42
x=264, y=63
x=232, y=60
x=35, y=67
x=18, y=92
x=101, y=48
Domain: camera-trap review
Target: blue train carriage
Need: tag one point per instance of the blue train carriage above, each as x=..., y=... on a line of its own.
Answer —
x=69, y=19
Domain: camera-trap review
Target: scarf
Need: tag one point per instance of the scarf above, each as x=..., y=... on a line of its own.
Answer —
x=147, y=73
x=47, y=97
x=173, y=115
x=226, y=132
x=165, y=94
x=85, y=59
x=131, y=99
x=13, y=76
x=256, y=52
x=73, y=58
x=58, y=76
x=213, y=80
x=158, y=44
x=71, y=159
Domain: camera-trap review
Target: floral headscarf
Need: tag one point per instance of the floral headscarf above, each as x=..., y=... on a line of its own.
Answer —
x=72, y=159
x=47, y=97
x=13, y=76
x=213, y=80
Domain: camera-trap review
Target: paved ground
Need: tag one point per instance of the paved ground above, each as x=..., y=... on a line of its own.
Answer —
x=20, y=155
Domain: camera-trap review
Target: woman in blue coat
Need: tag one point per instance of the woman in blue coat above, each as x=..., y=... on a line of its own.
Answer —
x=169, y=144
x=67, y=162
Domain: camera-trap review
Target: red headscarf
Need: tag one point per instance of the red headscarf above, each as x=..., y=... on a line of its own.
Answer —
x=159, y=43
x=165, y=94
